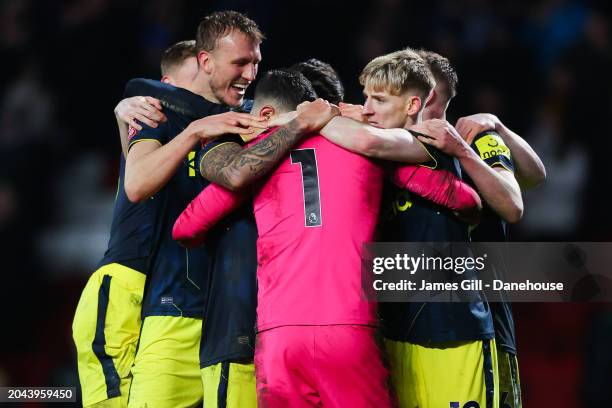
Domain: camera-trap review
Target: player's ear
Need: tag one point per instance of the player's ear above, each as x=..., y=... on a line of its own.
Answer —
x=414, y=105
x=267, y=112
x=205, y=62
x=167, y=80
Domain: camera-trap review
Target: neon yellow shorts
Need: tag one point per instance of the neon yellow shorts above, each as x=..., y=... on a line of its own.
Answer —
x=230, y=385
x=105, y=330
x=509, y=380
x=453, y=374
x=166, y=372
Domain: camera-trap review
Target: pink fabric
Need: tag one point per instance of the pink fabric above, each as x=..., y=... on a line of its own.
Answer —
x=329, y=366
x=312, y=275
x=439, y=186
x=209, y=207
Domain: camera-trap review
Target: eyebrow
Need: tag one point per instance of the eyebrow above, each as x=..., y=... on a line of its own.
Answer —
x=245, y=60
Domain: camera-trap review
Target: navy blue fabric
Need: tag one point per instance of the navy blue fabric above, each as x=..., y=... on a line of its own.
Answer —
x=178, y=279
x=423, y=221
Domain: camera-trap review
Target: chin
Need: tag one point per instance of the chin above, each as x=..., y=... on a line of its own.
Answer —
x=235, y=102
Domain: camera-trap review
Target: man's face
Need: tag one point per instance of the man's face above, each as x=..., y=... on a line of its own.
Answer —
x=384, y=110
x=234, y=63
x=182, y=75
x=438, y=103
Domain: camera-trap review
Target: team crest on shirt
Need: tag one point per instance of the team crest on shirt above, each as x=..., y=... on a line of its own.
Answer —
x=132, y=131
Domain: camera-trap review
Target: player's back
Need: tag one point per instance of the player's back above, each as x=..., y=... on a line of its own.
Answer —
x=313, y=215
x=414, y=219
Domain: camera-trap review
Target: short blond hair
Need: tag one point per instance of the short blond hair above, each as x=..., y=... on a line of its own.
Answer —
x=399, y=72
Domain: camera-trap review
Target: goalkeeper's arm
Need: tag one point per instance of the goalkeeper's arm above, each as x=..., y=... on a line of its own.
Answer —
x=440, y=187
x=207, y=209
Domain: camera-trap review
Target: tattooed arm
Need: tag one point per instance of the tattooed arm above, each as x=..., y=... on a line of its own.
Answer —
x=233, y=167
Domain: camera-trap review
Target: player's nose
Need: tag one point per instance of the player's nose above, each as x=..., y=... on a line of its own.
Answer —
x=249, y=72
x=367, y=108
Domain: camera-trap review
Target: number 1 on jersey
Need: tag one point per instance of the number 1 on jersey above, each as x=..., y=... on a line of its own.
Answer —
x=307, y=160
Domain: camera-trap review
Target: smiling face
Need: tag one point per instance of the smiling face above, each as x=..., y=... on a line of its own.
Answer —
x=385, y=110
x=231, y=67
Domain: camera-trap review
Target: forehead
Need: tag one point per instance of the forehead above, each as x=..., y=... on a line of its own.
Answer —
x=376, y=90
x=236, y=44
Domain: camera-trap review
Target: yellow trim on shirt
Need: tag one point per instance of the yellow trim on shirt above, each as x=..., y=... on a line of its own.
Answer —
x=142, y=140
x=430, y=155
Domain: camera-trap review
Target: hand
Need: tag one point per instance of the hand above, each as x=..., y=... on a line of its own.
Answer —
x=312, y=116
x=441, y=135
x=228, y=122
x=470, y=126
x=352, y=111
x=282, y=119
x=143, y=108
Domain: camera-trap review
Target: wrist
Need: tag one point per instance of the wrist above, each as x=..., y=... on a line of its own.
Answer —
x=298, y=126
x=192, y=135
x=465, y=152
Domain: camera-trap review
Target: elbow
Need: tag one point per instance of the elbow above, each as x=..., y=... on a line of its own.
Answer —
x=535, y=179
x=541, y=176
x=514, y=214
x=133, y=192
x=235, y=183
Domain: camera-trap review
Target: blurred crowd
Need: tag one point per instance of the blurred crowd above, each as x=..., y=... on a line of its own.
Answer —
x=543, y=67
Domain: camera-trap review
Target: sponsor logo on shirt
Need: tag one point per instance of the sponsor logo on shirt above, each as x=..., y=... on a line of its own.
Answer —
x=490, y=146
x=132, y=131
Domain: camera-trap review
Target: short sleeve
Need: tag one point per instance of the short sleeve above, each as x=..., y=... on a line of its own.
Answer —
x=158, y=134
x=208, y=147
x=492, y=150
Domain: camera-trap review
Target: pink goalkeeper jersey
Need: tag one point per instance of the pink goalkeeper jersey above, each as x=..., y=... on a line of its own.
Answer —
x=313, y=214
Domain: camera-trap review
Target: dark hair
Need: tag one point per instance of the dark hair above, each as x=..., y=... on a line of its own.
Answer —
x=286, y=88
x=442, y=70
x=217, y=25
x=176, y=54
x=323, y=77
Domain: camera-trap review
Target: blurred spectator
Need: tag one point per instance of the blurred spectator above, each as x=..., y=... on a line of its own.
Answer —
x=596, y=389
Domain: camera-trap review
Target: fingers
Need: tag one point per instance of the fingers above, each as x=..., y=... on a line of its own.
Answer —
x=145, y=119
x=237, y=130
x=471, y=134
x=246, y=120
x=151, y=110
x=132, y=123
x=152, y=101
x=428, y=140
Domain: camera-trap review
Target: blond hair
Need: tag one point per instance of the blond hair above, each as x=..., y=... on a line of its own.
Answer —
x=399, y=72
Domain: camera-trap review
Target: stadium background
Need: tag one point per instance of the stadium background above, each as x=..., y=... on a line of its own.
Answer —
x=543, y=67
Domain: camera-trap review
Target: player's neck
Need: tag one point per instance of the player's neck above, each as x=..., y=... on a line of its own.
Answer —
x=202, y=87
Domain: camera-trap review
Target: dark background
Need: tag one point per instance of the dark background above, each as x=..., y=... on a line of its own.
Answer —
x=542, y=66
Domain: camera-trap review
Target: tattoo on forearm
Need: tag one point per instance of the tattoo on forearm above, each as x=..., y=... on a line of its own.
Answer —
x=222, y=166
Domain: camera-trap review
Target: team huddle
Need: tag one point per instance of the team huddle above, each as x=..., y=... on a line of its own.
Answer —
x=233, y=276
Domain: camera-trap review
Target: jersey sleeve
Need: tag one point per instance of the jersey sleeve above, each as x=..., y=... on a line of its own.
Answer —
x=492, y=150
x=207, y=209
x=434, y=154
x=176, y=99
x=438, y=186
x=158, y=134
x=210, y=146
